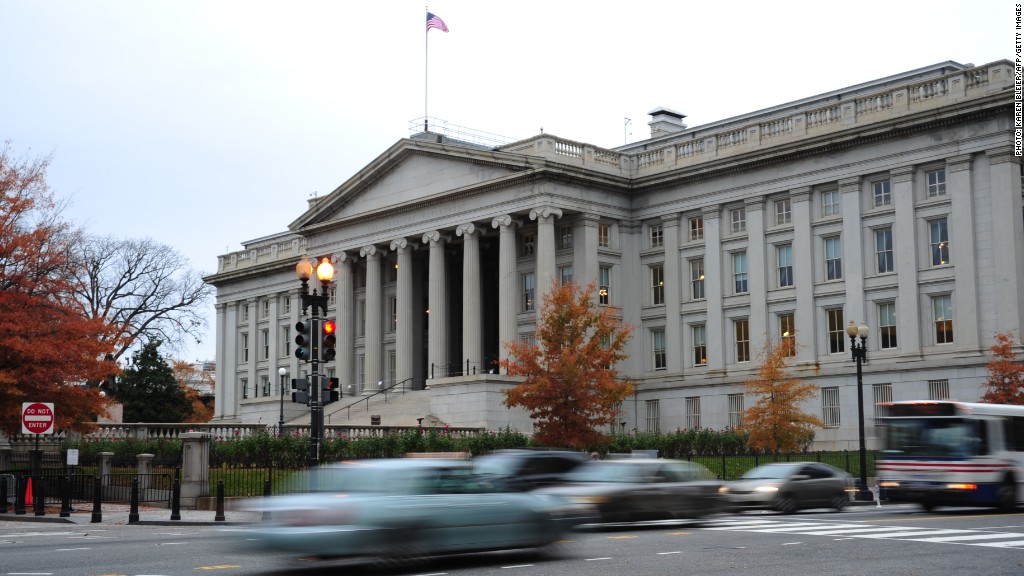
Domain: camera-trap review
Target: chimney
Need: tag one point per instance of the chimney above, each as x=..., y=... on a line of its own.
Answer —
x=665, y=121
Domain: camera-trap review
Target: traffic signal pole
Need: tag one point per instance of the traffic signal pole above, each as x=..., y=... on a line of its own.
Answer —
x=319, y=304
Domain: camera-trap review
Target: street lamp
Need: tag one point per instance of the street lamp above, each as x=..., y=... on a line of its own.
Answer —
x=860, y=355
x=280, y=423
x=324, y=272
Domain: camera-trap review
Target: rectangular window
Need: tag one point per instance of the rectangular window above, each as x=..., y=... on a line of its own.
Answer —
x=657, y=235
x=392, y=313
x=881, y=193
x=943, y=310
x=830, y=406
x=938, y=389
x=735, y=410
x=361, y=369
x=700, y=345
x=265, y=307
x=739, y=220
x=286, y=341
x=245, y=346
x=265, y=344
x=603, y=236
x=697, y=278
x=528, y=292
x=653, y=416
x=287, y=300
x=565, y=237
x=693, y=412
x=830, y=203
x=739, y=272
x=361, y=317
x=658, y=345
x=657, y=285
x=783, y=211
x=787, y=333
x=392, y=364
x=390, y=272
x=883, y=250
x=244, y=383
x=565, y=274
x=936, y=183
x=836, y=331
x=604, y=284
x=697, y=228
x=887, y=325
x=245, y=312
x=265, y=385
x=742, y=330
x=833, y=258
x=938, y=239
x=784, y=254
x=529, y=244
x=882, y=393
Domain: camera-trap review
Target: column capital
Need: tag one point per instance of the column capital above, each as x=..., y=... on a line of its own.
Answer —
x=1001, y=155
x=341, y=256
x=801, y=194
x=467, y=230
x=505, y=221
x=545, y=212
x=402, y=244
x=958, y=163
x=901, y=174
x=435, y=237
x=371, y=251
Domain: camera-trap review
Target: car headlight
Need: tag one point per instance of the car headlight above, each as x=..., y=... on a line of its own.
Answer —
x=590, y=499
x=723, y=489
x=767, y=488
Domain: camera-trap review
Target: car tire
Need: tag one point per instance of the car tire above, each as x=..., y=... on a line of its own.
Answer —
x=411, y=552
x=840, y=501
x=1006, y=497
x=927, y=505
x=786, y=504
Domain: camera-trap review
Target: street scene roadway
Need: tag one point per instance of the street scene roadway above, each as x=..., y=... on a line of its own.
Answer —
x=889, y=540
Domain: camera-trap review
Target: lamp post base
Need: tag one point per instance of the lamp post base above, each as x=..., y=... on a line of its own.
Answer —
x=864, y=495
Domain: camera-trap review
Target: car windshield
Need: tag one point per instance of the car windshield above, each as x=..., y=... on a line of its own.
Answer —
x=771, y=471
x=498, y=465
x=373, y=478
x=611, y=472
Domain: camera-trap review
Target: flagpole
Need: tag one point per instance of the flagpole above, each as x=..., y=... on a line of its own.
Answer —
x=426, y=71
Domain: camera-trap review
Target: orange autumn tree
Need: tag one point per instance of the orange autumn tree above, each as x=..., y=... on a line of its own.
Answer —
x=1005, y=383
x=191, y=379
x=775, y=422
x=570, y=386
x=47, y=349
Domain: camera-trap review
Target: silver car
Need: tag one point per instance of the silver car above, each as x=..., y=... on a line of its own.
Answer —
x=790, y=486
x=401, y=509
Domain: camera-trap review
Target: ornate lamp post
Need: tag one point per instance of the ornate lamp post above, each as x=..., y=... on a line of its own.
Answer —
x=860, y=355
x=282, y=372
x=324, y=272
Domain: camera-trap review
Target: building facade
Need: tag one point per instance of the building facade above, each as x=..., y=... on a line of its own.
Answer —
x=895, y=203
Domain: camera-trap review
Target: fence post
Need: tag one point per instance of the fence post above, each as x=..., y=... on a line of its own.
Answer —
x=220, y=502
x=176, y=498
x=723, y=467
x=133, y=514
x=39, y=496
x=106, y=467
x=5, y=458
x=97, y=499
x=266, y=494
x=145, y=465
x=65, y=495
x=3, y=493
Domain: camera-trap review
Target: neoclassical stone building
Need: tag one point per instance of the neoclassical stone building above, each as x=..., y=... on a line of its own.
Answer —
x=895, y=203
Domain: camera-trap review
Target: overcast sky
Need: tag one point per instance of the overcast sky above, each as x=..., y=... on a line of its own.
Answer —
x=203, y=124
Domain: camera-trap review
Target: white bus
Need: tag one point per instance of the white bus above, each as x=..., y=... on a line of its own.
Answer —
x=938, y=453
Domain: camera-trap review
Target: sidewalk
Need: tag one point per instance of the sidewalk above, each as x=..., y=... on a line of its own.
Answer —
x=148, y=516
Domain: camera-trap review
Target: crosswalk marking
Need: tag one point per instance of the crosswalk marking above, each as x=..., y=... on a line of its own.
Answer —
x=863, y=530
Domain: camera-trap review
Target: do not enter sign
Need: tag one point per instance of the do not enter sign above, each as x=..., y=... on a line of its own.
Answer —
x=37, y=418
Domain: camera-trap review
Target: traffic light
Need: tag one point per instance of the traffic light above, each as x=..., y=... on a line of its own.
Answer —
x=300, y=390
x=328, y=341
x=331, y=391
x=304, y=339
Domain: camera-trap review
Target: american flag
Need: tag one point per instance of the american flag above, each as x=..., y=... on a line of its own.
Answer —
x=435, y=22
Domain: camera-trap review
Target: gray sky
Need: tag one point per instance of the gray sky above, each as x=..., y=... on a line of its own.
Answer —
x=203, y=124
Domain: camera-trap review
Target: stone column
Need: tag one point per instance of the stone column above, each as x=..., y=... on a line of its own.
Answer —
x=195, y=467
x=106, y=467
x=1007, y=230
x=224, y=397
x=673, y=293
x=346, y=325
x=757, y=268
x=961, y=251
x=472, y=310
x=631, y=282
x=145, y=466
x=373, y=342
x=714, y=287
x=904, y=245
x=545, y=217
x=853, y=254
x=404, y=333
x=252, y=328
x=803, y=265
x=508, y=282
x=585, y=253
x=437, y=323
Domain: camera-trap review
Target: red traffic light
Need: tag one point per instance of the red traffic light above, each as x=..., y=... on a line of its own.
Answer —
x=330, y=326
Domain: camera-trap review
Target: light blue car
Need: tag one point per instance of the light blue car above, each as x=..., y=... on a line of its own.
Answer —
x=396, y=510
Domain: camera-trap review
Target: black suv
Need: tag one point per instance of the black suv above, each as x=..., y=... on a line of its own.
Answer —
x=523, y=470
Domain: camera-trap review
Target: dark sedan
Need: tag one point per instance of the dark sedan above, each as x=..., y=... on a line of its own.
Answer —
x=643, y=489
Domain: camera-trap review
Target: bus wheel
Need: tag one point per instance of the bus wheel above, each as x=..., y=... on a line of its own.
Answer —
x=927, y=505
x=1006, y=496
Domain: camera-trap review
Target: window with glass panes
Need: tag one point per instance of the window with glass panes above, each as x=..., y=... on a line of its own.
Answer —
x=830, y=406
x=833, y=258
x=697, y=228
x=265, y=385
x=936, y=183
x=887, y=325
x=741, y=328
x=693, y=412
x=392, y=367
x=739, y=272
x=392, y=313
x=697, y=278
x=658, y=346
x=783, y=211
x=787, y=332
x=784, y=254
x=603, y=236
x=565, y=274
x=286, y=341
x=360, y=317
x=245, y=312
x=265, y=307
x=942, y=307
x=528, y=292
x=264, y=344
x=883, y=250
x=656, y=235
x=836, y=330
x=529, y=244
x=244, y=383
x=830, y=203
x=287, y=304
x=244, y=340
x=653, y=416
x=881, y=193
x=657, y=285
x=735, y=410
x=565, y=237
x=938, y=240
x=739, y=220
x=604, y=284
x=700, y=344
x=881, y=393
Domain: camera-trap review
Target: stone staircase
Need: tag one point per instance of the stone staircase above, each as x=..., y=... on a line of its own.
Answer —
x=397, y=409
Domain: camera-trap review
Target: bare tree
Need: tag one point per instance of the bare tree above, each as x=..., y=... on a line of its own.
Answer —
x=145, y=290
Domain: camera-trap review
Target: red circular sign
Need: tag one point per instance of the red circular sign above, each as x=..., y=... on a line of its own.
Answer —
x=37, y=418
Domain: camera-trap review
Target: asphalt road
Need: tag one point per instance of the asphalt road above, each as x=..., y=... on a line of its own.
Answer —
x=891, y=540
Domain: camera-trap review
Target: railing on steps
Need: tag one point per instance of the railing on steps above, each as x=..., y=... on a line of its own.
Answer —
x=394, y=388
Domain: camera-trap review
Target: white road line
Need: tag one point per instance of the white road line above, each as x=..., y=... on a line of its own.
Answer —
x=856, y=531
x=1013, y=544
x=989, y=536
x=663, y=553
x=517, y=566
x=171, y=543
x=605, y=558
x=908, y=532
x=71, y=549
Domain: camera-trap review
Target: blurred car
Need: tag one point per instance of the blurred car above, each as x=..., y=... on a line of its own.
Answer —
x=520, y=470
x=791, y=486
x=403, y=509
x=643, y=489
